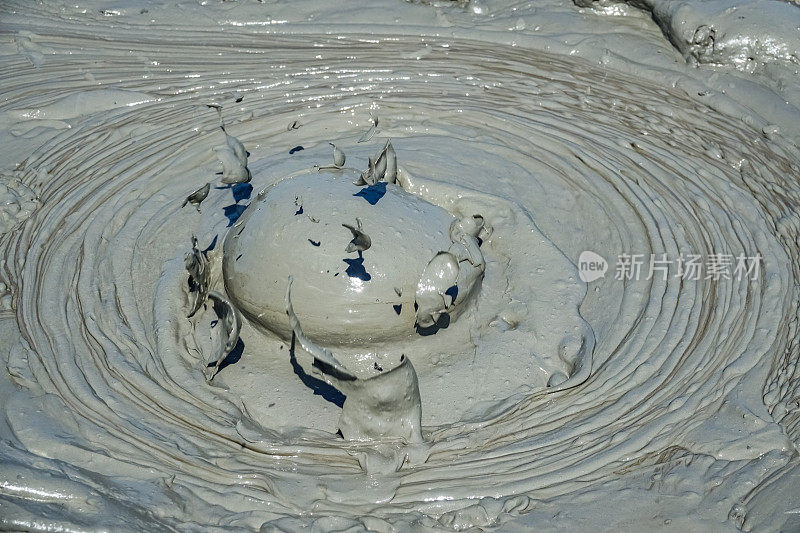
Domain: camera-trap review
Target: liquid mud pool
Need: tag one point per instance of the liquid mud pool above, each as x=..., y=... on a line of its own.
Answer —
x=571, y=304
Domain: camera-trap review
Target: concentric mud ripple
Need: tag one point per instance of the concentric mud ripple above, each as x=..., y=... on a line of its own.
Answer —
x=601, y=161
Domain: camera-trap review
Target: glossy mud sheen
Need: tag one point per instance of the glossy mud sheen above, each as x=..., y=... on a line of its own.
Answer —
x=601, y=127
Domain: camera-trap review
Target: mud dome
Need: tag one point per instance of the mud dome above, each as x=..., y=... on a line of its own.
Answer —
x=296, y=228
x=676, y=404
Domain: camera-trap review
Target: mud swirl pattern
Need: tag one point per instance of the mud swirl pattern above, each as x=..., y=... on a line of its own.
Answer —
x=601, y=161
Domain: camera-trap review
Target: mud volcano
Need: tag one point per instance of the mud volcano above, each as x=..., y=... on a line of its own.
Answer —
x=439, y=360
